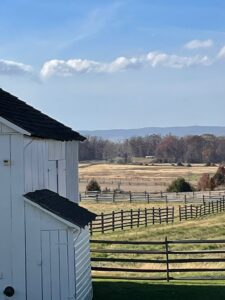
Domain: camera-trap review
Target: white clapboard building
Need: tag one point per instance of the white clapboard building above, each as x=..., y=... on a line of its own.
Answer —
x=44, y=248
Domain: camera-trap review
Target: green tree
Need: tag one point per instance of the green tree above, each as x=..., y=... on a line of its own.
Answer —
x=93, y=185
x=180, y=185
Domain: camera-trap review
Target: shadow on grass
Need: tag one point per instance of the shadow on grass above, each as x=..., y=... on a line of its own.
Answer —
x=110, y=290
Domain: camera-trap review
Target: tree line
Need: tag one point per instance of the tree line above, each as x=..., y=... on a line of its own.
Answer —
x=168, y=149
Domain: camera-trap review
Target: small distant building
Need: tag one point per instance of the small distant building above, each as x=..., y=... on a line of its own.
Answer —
x=44, y=249
x=150, y=156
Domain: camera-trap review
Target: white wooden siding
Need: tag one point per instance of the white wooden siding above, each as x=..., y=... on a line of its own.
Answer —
x=36, y=164
x=72, y=192
x=12, y=214
x=83, y=266
x=50, y=257
x=46, y=167
x=56, y=150
x=5, y=219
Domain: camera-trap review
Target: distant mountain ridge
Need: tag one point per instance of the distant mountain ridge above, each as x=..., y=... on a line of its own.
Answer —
x=121, y=134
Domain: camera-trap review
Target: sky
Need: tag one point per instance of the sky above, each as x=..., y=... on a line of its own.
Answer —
x=95, y=64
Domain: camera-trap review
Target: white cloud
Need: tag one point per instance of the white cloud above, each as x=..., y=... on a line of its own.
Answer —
x=75, y=66
x=156, y=58
x=152, y=59
x=8, y=67
x=68, y=68
x=122, y=63
x=221, y=53
x=175, y=61
x=196, y=44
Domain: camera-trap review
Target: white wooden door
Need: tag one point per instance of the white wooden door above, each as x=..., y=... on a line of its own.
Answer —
x=5, y=214
x=56, y=277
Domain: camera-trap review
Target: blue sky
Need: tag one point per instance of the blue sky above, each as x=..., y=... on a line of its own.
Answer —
x=116, y=64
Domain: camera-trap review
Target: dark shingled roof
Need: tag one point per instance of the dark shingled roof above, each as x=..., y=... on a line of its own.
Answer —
x=61, y=207
x=34, y=121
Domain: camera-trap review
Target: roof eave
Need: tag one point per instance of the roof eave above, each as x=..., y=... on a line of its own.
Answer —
x=55, y=216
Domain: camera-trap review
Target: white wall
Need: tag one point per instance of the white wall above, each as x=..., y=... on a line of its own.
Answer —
x=12, y=247
x=50, y=257
x=72, y=181
x=83, y=266
x=52, y=165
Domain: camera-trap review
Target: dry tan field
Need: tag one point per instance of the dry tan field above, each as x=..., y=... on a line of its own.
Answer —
x=139, y=178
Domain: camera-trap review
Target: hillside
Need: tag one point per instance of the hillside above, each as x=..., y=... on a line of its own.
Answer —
x=121, y=134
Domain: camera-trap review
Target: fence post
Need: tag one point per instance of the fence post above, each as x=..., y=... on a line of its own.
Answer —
x=160, y=220
x=91, y=230
x=196, y=212
x=102, y=220
x=203, y=199
x=180, y=213
x=185, y=212
x=114, y=196
x=185, y=199
x=80, y=197
x=166, y=200
x=167, y=215
x=113, y=220
x=148, y=198
x=191, y=212
x=167, y=260
x=130, y=197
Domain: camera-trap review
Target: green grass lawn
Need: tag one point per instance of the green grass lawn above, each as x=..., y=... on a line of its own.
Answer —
x=211, y=227
x=122, y=290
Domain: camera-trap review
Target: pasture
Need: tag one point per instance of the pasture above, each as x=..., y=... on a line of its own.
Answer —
x=139, y=177
x=153, y=178
x=210, y=227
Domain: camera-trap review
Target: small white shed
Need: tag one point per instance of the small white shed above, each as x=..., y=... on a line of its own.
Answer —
x=44, y=249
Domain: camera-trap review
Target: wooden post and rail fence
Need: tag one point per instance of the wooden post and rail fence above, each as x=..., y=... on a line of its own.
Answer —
x=125, y=219
x=147, y=197
x=160, y=260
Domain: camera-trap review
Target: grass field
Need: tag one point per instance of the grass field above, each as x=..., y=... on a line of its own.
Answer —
x=207, y=228
x=151, y=178
x=109, y=207
x=154, y=179
x=121, y=290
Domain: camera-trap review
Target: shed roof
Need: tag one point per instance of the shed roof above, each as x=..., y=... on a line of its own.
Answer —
x=34, y=121
x=61, y=207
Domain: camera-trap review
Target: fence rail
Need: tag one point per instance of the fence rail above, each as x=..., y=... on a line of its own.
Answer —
x=131, y=218
x=158, y=257
x=114, y=197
